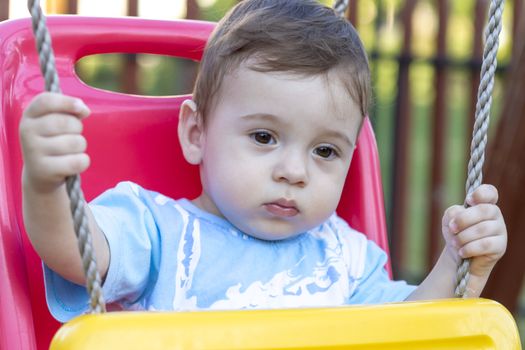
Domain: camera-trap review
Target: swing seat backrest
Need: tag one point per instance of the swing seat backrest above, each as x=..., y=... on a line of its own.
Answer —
x=130, y=138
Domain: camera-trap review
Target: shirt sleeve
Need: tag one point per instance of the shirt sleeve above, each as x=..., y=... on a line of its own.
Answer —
x=124, y=216
x=374, y=285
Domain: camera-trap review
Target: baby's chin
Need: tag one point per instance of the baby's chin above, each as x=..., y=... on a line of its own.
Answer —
x=276, y=232
x=273, y=228
x=270, y=236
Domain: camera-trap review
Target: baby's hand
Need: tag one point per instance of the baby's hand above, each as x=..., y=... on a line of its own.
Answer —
x=52, y=145
x=478, y=232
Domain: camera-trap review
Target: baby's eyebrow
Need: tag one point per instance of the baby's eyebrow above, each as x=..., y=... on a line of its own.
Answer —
x=261, y=116
x=339, y=135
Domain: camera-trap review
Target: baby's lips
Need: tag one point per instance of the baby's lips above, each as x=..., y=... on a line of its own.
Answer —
x=282, y=207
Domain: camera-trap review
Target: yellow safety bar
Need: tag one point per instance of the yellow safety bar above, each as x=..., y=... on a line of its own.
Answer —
x=447, y=324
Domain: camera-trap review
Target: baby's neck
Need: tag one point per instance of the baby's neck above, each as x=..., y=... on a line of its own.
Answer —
x=205, y=203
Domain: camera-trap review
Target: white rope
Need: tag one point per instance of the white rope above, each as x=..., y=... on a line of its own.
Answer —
x=340, y=7
x=481, y=124
x=48, y=68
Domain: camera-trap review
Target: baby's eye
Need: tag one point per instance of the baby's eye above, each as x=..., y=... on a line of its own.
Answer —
x=262, y=137
x=326, y=152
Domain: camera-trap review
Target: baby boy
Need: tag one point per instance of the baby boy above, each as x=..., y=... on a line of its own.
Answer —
x=280, y=98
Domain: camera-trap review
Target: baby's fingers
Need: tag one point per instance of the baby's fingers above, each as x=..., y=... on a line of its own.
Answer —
x=57, y=124
x=483, y=194
x=474, y=215
x=56, y=168
x=491, y=247
x=48, y=102
x=63, y=145
x=451, y=213
x=479, y=231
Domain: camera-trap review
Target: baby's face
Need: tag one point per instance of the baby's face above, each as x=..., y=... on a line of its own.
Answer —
x=276, y=151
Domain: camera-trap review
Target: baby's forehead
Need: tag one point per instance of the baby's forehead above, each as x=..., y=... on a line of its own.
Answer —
x=332, y=81
x=321, y=99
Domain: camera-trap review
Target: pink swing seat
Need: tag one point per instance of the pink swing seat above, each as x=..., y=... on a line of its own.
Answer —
x=130, y=138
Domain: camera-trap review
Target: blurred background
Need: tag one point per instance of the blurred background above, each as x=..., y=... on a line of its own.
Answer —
x=425, y=57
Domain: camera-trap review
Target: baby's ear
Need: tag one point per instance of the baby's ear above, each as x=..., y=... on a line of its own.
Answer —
x=191, y=132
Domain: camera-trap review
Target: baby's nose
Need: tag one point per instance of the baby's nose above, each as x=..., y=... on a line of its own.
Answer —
x=292, y=168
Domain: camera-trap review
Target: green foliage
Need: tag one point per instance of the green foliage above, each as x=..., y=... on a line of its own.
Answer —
x=215, y=10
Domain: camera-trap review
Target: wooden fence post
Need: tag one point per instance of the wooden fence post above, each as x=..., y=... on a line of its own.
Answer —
x=401, y=144
x=130, y=75
x=193, y=11
x=439, y=127
x=4, y=10
x=72, y=7
x=352, y=13
x=62, y=6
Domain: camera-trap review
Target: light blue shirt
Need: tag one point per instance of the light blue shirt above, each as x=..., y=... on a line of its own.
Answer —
x=170, y=255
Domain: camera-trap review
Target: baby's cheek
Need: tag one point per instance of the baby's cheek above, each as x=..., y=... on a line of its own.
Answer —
x=323, y=203
x=234, y=185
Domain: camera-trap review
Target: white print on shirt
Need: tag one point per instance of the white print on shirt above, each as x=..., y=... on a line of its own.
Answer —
x=188, y=256
x=327, y=283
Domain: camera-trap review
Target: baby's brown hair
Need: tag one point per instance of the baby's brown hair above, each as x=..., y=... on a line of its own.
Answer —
x=301, y=37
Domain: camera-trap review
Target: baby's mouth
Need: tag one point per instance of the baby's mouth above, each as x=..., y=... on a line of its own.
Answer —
x=282, y=207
